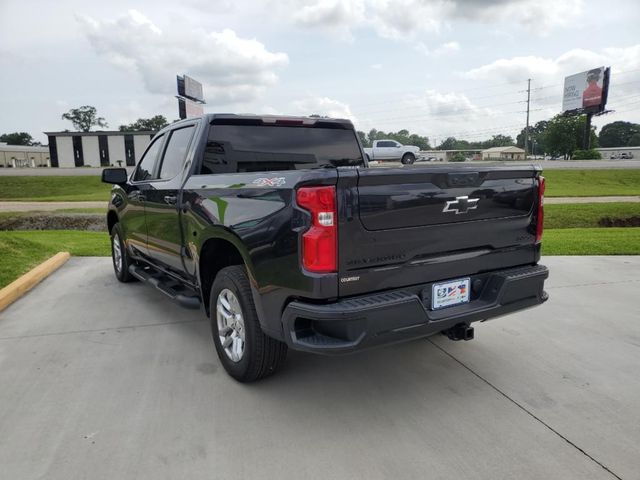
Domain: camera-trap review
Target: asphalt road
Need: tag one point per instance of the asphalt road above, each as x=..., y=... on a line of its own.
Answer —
x=101, y=380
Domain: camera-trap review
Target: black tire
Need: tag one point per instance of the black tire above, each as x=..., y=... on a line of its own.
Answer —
x=262, y=355
x=121, y=266
x=408, y=158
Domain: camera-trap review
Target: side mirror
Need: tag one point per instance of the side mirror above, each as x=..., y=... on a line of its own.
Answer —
x=116, y=176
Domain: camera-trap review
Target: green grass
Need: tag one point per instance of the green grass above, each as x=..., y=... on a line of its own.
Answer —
x=591, y=241
x=578, y=215
x=22, y=250
x=592, y=183
x=93, y=211
x=49, y=189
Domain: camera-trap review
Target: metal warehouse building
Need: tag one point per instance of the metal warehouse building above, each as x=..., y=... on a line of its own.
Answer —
x=18, y=156
x=97, y=149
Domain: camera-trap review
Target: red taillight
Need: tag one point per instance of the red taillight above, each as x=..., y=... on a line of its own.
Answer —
x=540, y=224
x=319, y=243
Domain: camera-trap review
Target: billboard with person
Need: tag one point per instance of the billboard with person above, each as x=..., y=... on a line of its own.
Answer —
x=586, y=90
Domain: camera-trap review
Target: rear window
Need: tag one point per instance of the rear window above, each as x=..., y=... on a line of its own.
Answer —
x=257, y=148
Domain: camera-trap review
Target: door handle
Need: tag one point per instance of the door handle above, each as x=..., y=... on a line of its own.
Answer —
x=136, y=195
x=170, y=199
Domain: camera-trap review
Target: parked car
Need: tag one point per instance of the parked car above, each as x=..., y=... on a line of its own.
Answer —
x=392, y=150
x=626, y=156
x=277, y=229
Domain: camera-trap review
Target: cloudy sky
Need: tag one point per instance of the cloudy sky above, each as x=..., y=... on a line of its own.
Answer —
x=440, y=68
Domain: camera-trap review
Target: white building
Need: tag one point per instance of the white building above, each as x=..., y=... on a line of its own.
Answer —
x=503, y=153
x=611, y=153
x=17, y=156
x=97, y=149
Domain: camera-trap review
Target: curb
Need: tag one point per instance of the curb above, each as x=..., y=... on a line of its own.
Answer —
x=26, y=282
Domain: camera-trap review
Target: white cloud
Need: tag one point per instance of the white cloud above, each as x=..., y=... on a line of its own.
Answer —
x=548, y=75
x=376, y=66
x=232, y=69
x=323, y=106
x=515, y=69
x=443, y=49
x=434, y=113
x=624, y=61
x=405, y=19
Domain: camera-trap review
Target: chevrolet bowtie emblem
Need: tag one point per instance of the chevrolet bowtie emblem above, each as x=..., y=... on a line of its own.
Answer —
x=461, y=205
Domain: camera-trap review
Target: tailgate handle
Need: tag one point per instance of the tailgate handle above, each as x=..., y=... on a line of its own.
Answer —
x=463, y=179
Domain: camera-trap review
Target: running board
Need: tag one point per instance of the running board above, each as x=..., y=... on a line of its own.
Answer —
x=179, y=293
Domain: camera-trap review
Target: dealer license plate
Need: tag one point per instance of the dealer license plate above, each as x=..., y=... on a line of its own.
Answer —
x=448, y=294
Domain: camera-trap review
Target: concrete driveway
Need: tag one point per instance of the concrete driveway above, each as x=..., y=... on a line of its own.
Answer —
x=100, y=380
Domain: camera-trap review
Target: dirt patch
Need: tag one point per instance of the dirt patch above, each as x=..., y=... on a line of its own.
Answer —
x=633, y=221
x=70, y=221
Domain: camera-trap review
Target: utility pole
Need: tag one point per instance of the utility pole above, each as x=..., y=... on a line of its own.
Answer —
x=526, y=135
x=586, y=141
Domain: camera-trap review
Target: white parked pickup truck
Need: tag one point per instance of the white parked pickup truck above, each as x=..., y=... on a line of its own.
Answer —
x=392, y=150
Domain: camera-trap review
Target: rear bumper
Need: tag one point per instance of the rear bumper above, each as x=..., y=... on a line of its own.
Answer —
x=397, y=315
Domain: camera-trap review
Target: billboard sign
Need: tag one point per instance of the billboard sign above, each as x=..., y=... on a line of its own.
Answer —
x=190, y=88
x=189, y=109
x=586, y=91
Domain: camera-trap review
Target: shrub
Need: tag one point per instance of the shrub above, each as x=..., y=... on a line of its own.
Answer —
x=586, y=155
x=458, y=157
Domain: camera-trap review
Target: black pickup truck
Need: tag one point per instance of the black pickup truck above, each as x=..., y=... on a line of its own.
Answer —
x=285, y=236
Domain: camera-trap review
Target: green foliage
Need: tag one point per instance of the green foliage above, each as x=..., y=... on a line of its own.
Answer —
x=578, y=215
x=17, y=138
x=451, y=143
x=24, y=250
x=586, y=155
x=620, y=134
x=564, y=134
x=364, y=140
x=536, y=137
x=85, y=117
x=152, y=124
x=592, y=183
x=458, y=157
x=76, y=188
x=634, y=141
x=402, y=136
x=591, y=241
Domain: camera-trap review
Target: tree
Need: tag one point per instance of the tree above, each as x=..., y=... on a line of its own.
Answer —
x=403, y=136
x=85, y=117
x=563, y=135
x=17, y=138
x=449, y=144
x=586, y=155
x=618, y=134
x=634, y=141
x=363, y=138
x=152, y=124
x=536, y=136
x=499, y=141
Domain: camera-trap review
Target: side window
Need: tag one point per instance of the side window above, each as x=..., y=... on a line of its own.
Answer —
x=176, y=151
x=148, y=162
x=386, y=144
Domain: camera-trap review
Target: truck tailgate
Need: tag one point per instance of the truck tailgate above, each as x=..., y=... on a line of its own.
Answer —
x=407, y=226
